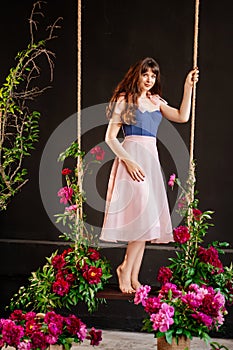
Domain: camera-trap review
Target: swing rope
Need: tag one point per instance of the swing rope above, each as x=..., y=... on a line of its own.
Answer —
x=79, y=214
x=193, y=108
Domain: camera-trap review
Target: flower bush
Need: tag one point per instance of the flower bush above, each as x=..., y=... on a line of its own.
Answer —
x=25, y=331
x=79, y=272
x=195, y=286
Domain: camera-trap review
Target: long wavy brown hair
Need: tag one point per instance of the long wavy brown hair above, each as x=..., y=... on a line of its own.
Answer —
x=130, y=89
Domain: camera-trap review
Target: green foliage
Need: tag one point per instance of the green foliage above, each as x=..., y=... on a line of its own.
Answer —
x=19, y=125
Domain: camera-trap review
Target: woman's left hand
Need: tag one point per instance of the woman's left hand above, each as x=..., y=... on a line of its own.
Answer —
x=192, y=77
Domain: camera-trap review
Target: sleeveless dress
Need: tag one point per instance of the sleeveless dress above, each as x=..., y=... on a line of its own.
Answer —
x=138, y=211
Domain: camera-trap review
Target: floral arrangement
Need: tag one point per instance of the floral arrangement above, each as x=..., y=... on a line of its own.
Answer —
x=195, y=287
x=73, y=276
x=79, y=272
x=25, y=331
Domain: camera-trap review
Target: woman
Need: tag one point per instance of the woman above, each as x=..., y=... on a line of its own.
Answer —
x=137, y=209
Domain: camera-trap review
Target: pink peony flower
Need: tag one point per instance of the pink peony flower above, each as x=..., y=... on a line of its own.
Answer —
x=176, y=293
x=71, y=208
x=164, y=275
x=82, y=332
x=203, y=318
x=95, y=336
x=181, y=234
x=141, y=294
x=66, y=194
x=24, y=346
x=171, y=181
x=162, y=320
x=93, y=275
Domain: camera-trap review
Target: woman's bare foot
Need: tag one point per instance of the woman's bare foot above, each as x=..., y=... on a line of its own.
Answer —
x=136, y=284
x=124, y=281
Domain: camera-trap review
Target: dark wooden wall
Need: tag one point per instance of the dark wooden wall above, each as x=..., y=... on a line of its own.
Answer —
x=115, y=34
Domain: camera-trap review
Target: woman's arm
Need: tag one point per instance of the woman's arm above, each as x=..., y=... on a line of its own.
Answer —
x=182, y=115
x=132, y=167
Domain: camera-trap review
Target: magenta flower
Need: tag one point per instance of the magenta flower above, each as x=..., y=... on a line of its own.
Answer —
x=203, y=318
x=176, y=293
x=66, y=194
x=99, y=152
x=11, y=333
x=181, y=234
x=164, y=275
x=152, y=305
x=162, y=320
x=141, y=294
x=171, y=181
x=192, y=300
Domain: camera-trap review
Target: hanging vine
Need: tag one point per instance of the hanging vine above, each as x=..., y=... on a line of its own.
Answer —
x=19, y=125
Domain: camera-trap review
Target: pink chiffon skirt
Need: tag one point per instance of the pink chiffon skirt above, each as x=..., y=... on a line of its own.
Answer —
x=137, y=211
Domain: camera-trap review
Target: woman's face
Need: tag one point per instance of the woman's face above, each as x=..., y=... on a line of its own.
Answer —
x=147, y=80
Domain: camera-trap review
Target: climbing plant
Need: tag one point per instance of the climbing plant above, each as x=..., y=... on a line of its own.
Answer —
x=19, y=124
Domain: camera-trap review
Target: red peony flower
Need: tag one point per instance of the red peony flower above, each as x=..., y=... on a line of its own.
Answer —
x=181, y=234
x=17, y=315
x=99, y=152
x=197, y=214
x=61, y=287
x=93, y=275
x=73, y=324
x=66, y=171
x=164, y=275
x=95, y=336
x=58, y=262
x=93, y=254
x=210, y=255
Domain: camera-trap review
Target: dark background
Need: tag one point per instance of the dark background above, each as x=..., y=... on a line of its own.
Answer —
x=115, y=34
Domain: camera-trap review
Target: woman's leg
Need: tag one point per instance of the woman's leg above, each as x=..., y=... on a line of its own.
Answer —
x=136, y=267
x=133, y=256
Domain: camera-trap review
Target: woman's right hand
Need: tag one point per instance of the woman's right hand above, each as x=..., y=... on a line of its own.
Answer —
x=134, y=170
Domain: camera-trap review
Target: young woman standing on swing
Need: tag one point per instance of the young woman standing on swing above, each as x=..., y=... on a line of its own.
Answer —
x=137, y=208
